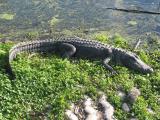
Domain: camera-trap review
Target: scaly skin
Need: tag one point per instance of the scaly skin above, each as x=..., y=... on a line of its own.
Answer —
x=82, y=48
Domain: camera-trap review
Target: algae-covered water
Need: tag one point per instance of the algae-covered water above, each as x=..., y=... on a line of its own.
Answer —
x=19, y=16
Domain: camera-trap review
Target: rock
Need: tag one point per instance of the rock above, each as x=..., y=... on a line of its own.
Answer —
x=108, y=108
x=48, y=108
x=133, y=95
x=70, y=115
x=132, y=114
x=122, y=95
x=125, y=107
x=90, y=110
x=132, y=23
x=150, y=110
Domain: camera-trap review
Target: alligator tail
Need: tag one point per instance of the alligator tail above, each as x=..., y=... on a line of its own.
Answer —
x=32, y=46
x=12, y=55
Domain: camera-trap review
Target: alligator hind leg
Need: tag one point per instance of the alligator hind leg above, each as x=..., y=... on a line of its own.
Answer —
x=107, y=66
x=67, y=50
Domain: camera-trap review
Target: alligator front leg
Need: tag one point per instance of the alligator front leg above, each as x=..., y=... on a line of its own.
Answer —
x=67, y=50
x=107, y=66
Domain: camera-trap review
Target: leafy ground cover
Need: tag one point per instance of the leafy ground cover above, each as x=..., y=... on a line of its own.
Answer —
x=45, y=85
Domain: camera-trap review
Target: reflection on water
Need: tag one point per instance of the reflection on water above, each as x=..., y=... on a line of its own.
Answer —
x=68, y=14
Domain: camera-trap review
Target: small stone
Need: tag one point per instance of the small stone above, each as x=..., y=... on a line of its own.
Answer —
x=48, y=108
x=125, y=107
x=122, y=95
x=132, y=114
x=133, y=95
x=150, y=110
x=108, y=108
x=70, y=115
x=132, y=23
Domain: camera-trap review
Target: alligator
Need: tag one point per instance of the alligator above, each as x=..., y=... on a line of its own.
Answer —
x=74, y=47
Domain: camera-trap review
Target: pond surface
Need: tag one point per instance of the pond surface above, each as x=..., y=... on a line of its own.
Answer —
x=22, y=15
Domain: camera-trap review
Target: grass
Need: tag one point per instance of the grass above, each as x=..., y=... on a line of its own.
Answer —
x=49, y=81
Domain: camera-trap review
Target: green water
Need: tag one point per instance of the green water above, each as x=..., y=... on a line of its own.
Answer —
x=19, y=16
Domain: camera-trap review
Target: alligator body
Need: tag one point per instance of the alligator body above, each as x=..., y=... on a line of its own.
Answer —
x=84, y=49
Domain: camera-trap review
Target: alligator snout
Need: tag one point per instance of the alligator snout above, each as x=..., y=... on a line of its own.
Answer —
x=138, y=65
x=144, y=68
x=148, y=70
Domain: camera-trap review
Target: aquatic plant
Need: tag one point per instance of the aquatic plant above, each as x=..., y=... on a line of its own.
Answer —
x=101, y=37
x=31, y=35
x=132, y=23
x=7, y=16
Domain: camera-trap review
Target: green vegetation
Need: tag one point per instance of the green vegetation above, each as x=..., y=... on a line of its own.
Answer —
x=101, y=37
x=119, y=41
x=31, y=35
x=54, y=21
x=132, y=23
x=6, y=16
x=47, y=84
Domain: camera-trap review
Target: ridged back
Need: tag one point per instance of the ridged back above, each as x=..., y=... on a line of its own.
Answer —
x=38, y=45
x=44, y=45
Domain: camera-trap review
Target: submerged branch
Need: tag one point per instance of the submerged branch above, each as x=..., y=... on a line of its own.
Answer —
x=137, y=44
x=134, y=11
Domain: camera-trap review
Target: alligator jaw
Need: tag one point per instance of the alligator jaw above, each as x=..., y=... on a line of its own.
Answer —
x=138, y=65
x=132, y=61
x=149, y=70
x=142, y=67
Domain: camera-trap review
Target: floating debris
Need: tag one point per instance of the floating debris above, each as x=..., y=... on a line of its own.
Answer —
x=134, y=11
x=132, y=23
x=7, y=16
x=137, y=44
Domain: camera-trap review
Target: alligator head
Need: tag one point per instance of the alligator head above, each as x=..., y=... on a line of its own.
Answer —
x=131, y=60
